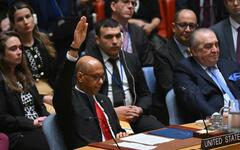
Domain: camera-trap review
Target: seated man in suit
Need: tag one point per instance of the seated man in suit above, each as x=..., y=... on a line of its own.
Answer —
x=204, y=83
x=227, y=32
x=125, y=84
x=134, y=38
x=84, y=116
x=166, y=58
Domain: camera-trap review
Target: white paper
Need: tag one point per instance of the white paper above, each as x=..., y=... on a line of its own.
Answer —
x=146, y=139
x=135, y=146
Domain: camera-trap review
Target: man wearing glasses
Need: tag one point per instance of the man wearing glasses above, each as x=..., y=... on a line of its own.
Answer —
x=228, y=32
x=83, y=115
x=134, y=38
x=166, y=58
x=204, y=83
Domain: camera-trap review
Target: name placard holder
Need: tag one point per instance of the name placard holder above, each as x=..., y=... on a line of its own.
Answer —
x=218, y=141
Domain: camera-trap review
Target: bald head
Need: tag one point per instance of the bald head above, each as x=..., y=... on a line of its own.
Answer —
x=185, y=13
x=185, y=22
x=87, y=63
x=89, y=74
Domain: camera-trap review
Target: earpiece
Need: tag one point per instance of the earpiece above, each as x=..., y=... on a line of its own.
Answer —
x=35, y=20
x=134, y=89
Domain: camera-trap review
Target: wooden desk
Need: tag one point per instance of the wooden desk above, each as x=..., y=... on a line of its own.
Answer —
x=173, y=145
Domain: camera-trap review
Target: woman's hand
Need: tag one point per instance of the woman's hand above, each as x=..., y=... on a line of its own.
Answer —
x=39, y=121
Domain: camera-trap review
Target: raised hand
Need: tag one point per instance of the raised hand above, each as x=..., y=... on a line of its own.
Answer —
x=80, y=33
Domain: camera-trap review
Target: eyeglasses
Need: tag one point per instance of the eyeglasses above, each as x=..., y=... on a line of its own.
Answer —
x=132, y=2
x=233, y=1
x=183, y=26
x=96, y=77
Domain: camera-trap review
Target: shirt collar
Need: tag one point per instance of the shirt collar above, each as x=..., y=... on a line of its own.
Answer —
x=180, y=46
x=79, y=89
x=124, y=28
x=104, y=56
x=205, y=67
x=82, y=91
x=234, y=24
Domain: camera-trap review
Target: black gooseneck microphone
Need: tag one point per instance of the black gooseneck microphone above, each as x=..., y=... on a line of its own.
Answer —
x=182, y=88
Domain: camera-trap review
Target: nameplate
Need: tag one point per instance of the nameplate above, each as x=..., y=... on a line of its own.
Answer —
x=219, y=141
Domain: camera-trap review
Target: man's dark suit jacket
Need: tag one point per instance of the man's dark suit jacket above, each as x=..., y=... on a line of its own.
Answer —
x=140, y=44
x=76, y=113
x=197, y=93
x=165, y=59
x=223, y=31
x=138, y=89
x=135, y=77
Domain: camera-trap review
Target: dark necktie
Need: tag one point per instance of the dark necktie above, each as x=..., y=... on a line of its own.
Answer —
x=103, y=122
x=238, y=46
x=117, y=88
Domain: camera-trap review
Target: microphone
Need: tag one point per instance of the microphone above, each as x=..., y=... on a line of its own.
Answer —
x=184, y=89
x=94, y=118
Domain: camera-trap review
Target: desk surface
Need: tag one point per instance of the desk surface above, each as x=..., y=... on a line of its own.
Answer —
x=172, y=145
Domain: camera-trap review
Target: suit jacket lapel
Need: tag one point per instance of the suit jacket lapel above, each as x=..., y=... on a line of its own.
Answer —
x=102, y=103
x=204, y=74
x=17, y=97
x=132, y=37
x=174, y=51
x=226, y=40
x=229, y=39
x=126, y=69
x=91, y=103
x=225, y=76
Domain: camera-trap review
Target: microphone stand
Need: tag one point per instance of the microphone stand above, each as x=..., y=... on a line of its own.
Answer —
x=89, y=118
x=182, y=88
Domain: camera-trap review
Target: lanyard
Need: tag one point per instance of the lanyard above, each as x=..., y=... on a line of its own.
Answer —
x=119, y=83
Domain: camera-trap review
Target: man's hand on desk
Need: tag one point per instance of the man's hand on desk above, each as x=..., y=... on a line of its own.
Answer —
x=128, y=113
x=121, y=135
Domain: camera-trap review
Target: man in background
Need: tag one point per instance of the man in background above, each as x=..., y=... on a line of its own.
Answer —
x=166, y=58
x=204, y=83
x=125, y=84
x=84, y=116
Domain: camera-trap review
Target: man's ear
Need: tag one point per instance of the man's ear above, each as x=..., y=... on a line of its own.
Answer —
x=173, y=27
x=193, y=51
x=97, y=39
x=113, y=6
x=80, y=76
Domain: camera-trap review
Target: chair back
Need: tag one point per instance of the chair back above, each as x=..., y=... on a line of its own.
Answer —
x=174, y=117
x=53, y=134
x=150, y=78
